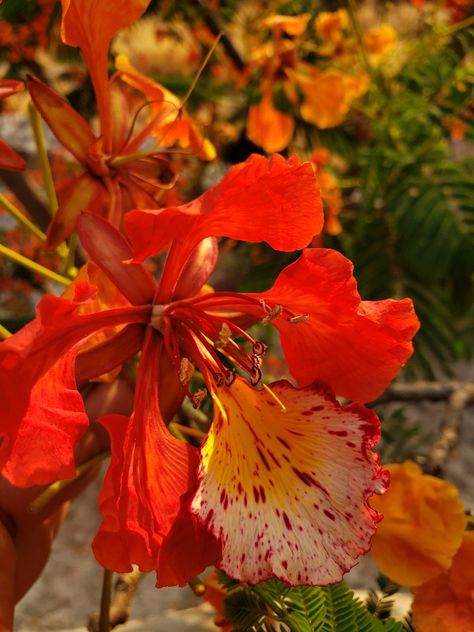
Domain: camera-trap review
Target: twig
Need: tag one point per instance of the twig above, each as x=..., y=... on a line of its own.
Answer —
x=124, y=589
x=448, y=436
x=457, y=395
x=215, y=26
x=423, y=391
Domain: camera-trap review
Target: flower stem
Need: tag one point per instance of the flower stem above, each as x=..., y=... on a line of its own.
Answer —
x=18, y=215
x=32, y=265
x=200, y=71
x=37, y=127
x=105, y=600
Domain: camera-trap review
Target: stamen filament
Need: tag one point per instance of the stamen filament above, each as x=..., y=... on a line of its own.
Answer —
x=37, y=127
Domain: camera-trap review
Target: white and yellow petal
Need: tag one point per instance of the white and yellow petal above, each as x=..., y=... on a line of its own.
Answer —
x=286, y=491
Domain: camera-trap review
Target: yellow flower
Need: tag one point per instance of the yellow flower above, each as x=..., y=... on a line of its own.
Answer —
x=446, y=603
x=328, y=95
x=422, y=528
x=380, y=41
x=330, y=24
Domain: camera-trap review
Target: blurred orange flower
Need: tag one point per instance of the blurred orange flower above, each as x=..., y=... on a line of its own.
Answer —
x=330, y=192
x=328, y=94
x=380, y=40
x=422, y=528
x=446, y=603
x=330, y=24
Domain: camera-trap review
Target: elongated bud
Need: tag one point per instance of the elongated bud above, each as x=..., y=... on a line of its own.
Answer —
x=198, y=269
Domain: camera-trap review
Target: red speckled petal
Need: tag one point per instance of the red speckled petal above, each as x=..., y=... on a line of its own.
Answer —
x=286, y=491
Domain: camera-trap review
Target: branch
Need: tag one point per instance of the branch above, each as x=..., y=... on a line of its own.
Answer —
x=216, y=28
x=124, y=590
x=460, y=399
x=424, y=391
x=457, y=395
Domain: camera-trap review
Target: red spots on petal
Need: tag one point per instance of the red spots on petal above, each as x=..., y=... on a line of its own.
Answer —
x=284, y=443
x=264, y=460
x=256, y=495
x=307, y=413
x=350, y=444
x=330, y=515
x=284, y=564
x=262, y=494
x=316, y=409
x=287, y=522
x=338, y=433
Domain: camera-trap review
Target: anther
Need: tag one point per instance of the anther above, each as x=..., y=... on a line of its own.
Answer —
x=255, y=376
x=294, y=320
x=198, y=396
x=257, y=361
x=186, y=371
x=223, y=336
x=259, y=348
x=270, y=312
x=229, y=377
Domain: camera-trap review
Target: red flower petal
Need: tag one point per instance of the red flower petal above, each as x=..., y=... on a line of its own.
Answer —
x=109, y=249
x=9, y=159
x=39, y=402
x=91, y=25
x=148, y=476
x=78, y=194
x=286, y=491
x=69, y=127
x=355, y=346
x=42, y=448
x=276, y=201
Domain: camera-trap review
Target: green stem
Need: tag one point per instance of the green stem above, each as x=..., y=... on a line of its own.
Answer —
x=105, y=601
x=37, y=127
x=32, y=265
x=4, y=333
x=18, y=215
x=200, y=71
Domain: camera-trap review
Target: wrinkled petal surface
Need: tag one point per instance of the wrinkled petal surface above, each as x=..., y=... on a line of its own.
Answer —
x=149, y=473
x=422, y=528
x=276, y=201
x=39, y=399
x=286, y=491
x=357, y=347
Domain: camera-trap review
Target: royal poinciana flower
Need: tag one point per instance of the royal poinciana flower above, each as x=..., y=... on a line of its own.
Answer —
x=281, y=485
x=115, y=176
x=9, y=159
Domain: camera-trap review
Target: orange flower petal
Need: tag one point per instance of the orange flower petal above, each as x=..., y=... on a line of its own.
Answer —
x=293, y=25
x=9, y=159
x=274, y=200
x=149, y=473
x=355, y=346
x=69, y=127
x=267, y=127
x=91, y=25
x=446, y=603
x=328, y=96
x=422, y=529
x=286, y=491
x=78, y=194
